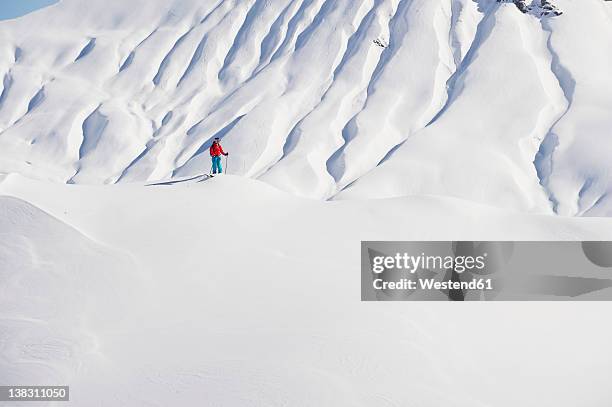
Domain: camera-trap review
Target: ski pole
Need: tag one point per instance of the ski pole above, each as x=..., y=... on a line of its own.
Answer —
x=226, y=165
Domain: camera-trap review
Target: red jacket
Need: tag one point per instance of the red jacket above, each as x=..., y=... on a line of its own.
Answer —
x=216, y=150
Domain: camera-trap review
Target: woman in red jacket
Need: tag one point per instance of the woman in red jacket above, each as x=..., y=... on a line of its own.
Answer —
x=215, y=153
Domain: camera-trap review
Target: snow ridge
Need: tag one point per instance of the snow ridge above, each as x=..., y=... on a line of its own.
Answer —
x=311, y=96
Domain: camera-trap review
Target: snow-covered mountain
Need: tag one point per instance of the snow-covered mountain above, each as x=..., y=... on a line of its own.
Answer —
x=323, y=98
x=170, y=289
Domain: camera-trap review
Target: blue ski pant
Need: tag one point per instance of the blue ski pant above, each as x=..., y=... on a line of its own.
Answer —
x=216, y=165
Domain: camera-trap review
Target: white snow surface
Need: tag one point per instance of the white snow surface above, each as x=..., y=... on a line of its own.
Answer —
x=470, y=99
x=125, y=277
x=184, y=295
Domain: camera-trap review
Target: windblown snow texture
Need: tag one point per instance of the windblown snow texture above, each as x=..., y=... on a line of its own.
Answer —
x=329, y=99
x=216, y=306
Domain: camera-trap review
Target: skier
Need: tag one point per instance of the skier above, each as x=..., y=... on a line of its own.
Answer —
x=215, y=153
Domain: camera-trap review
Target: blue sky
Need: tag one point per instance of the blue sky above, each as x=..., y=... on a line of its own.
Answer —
x=16, y=8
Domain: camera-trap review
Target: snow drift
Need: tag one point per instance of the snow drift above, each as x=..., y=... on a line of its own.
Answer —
x=322, y=98
x=229, y=304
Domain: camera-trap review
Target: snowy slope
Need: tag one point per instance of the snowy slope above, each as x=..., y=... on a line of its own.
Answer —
x=222, y=303
x=53, y=281
x=404, y=119
x=469, y=99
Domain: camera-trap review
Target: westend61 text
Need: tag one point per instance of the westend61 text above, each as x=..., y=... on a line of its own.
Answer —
x=432, y=284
